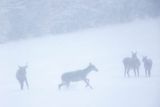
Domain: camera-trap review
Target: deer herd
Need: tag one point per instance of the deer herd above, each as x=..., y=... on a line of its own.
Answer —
x=130, y=64
x=133, y=63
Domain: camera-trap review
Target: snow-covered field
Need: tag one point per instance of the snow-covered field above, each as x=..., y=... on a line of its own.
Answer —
x=49, y=57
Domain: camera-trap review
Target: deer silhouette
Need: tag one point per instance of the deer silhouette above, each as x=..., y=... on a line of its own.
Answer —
x=147, y=66
x=21, y=76
x=131, y=63
x=78, y=75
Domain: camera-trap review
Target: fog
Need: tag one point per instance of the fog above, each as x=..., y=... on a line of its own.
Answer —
x=33, y=18
x=74, y=53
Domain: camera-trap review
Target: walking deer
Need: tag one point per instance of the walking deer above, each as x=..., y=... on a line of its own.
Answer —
x=78, y=75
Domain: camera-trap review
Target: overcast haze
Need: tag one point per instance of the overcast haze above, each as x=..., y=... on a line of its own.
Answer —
x=31, y=18
x=56, y=41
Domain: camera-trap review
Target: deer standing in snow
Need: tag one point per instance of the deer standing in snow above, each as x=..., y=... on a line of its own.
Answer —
x=21, y=76
x=131, y=63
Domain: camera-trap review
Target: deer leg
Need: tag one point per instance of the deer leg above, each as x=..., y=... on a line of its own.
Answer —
x=67, y=84
x=64, y=83
x=125, y=72
x=134, y=72
x=128, y=72
x=146, y=72
x=26, y=81
x=149, y=72
x=21, y=85
x=137, y=72
x=60, y=85
x=87, y=83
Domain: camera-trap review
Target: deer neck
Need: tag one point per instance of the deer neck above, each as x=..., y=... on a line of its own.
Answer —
x=87, y=70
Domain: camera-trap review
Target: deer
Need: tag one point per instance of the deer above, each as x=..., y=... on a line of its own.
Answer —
x=77, y=75
x=147, y=66
x=21, y=76
x=131, y=63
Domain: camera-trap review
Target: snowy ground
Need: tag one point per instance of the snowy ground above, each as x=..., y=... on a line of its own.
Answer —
x=49, y=57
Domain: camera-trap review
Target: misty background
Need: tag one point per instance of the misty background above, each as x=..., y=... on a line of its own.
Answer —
x=48, y=38
x=32, y=18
